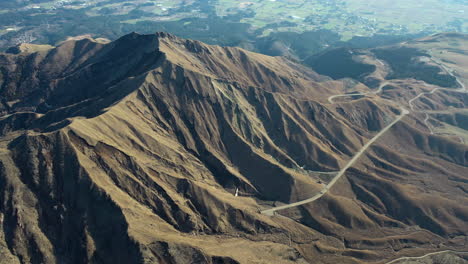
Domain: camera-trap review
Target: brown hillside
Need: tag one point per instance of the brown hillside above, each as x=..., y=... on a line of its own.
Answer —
x=131, y=152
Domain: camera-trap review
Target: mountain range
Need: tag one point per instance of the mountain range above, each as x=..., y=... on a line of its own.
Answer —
x=157, y=149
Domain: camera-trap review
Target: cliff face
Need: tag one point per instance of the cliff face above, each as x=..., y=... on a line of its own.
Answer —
x=130, y=152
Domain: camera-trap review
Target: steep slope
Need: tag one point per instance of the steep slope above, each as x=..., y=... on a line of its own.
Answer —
x=131, y=152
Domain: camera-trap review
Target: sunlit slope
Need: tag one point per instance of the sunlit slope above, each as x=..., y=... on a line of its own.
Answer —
x=144, y=141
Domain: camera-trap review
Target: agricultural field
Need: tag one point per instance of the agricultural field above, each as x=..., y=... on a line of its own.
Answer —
x=250, y=21
x=352, y=17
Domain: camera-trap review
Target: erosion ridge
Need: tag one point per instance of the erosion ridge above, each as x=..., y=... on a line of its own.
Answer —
x=144, y=140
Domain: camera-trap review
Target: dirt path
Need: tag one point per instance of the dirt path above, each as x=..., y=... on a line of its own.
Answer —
x=379, y=90
x=356, y=157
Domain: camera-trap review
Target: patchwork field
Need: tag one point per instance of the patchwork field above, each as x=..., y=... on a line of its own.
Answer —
x=352, y=17
x=45, y=21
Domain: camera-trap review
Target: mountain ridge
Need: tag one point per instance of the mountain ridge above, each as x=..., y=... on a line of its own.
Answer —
x=158, y=132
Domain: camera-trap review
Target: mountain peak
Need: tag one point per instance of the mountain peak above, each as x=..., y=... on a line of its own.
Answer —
x=172, y=149
x=28, y=48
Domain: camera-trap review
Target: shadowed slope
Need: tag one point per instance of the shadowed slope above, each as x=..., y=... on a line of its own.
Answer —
x=144, y=141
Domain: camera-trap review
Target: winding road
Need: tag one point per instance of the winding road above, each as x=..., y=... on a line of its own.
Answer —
x=404, y=112
x=427, y=255
x=356, y=157
x=462, y=89
x=379, y=90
